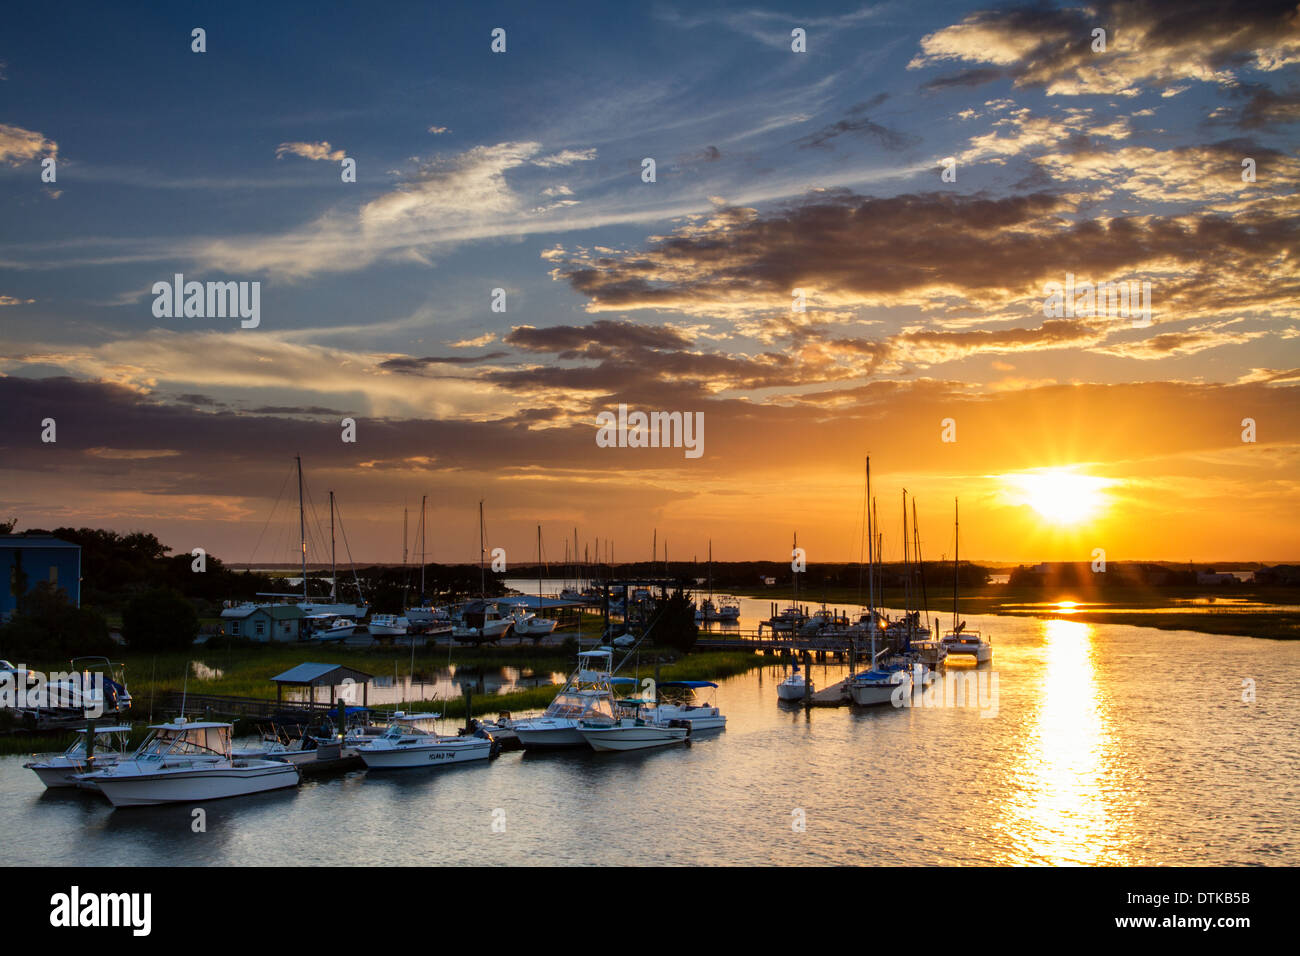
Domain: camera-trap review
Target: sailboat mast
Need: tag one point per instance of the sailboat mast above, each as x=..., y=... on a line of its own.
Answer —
x=333, y=565
x=482, y=571
x=539, y=569
x=302, y=528
x=956, y=545
x=871, y=587
x=907, y=568
x=423, y=499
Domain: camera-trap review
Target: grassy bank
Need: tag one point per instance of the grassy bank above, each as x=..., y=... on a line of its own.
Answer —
x=246, y=672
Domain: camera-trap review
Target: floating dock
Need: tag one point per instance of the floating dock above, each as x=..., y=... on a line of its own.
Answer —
x=837, y=695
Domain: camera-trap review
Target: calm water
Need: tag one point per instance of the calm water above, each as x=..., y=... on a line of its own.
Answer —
x=1111, y=745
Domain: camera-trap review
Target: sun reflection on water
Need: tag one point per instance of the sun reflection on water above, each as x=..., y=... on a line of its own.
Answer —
x=1062, y=816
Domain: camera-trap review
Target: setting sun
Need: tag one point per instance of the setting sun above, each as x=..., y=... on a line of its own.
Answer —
x=1059, y=495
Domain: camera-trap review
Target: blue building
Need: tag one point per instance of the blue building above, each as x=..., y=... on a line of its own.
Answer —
x=28, y=559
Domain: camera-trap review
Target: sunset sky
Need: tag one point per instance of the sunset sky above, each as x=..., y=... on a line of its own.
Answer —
x=775, y=171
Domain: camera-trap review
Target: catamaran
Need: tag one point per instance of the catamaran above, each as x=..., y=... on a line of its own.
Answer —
x=185, y=762
x=959, y=640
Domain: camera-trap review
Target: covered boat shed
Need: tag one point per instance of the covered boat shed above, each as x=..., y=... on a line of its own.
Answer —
x=333, y=676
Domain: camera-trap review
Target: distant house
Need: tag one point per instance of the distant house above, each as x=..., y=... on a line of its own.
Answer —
x=767, y=580
x=29, y=559
x=1215, y=577
x=263, y=622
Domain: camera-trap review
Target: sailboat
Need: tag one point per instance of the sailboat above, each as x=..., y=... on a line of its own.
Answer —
x=959, y=640
x=724, y=609
x=312, y=608
x=528, y=624
x=481, y=620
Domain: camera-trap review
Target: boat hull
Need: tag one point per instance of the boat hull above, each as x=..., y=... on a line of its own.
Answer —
x=459, y=750
x=874, y=695
x=196, y=785
x=549, y=735
x=983, y=653
x=633, y=738
x=786, y=691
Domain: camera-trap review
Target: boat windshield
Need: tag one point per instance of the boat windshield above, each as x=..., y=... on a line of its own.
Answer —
x=190, y=742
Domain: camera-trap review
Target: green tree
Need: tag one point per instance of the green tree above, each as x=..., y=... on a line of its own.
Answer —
x=46, y=626
x=159, y=620
x=673, y=622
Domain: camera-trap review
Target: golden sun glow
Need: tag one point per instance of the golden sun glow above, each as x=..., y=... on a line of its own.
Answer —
x=1059, y=495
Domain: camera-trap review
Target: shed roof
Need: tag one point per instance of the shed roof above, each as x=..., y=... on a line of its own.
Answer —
x=321, y=675
x=34, y=541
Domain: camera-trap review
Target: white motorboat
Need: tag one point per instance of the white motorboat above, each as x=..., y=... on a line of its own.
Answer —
x=586, y=695
x=528, y=624
x=388, y=625
x=404, y=745
x=788, y=620
x=187, y=762
x=58, y=770
x=482, y=621
x=632, y=730
x=682, y=707
x=794, y=687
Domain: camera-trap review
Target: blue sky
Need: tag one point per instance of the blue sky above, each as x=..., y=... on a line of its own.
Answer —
x=522, y=171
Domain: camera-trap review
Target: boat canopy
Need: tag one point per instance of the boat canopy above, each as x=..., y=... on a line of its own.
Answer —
x=605, y=652
x=693, y=684
x=624, y=680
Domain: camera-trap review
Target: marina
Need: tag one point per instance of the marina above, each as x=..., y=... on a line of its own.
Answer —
x=1105, y=749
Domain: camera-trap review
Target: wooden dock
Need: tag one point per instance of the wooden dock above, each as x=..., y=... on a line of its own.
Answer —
x=837, y=695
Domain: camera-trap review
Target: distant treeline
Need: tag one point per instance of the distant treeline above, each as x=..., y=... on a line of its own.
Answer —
x=117, y=567
x=748, y=575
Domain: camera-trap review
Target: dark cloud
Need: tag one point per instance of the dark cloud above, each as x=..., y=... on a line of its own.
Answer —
x=1265, y=108
x=581, y=339
x=859, y=123
x=866, y=250
x=414, y=364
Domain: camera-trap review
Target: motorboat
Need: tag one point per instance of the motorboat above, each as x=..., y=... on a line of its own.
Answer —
x=681, y=705
x=388, y=625
x=787, y=621
x=632, y=730
x=405, y=745
x=188, y=762
x=794, y=687
x=111, y=697
x=528, y=624
x=482, y=621
x=587, y=695
x=95, y=748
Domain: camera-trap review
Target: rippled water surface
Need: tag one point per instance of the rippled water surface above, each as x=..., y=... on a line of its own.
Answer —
x=1110, y=745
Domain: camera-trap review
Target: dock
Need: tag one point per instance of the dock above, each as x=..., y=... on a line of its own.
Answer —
x=837, y=695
